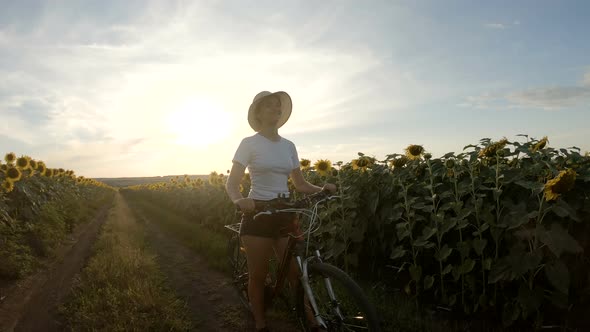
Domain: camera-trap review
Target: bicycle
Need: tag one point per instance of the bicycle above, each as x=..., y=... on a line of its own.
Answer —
x=334, y=299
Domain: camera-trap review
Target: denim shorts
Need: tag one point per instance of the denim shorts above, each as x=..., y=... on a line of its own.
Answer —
x=270, y=226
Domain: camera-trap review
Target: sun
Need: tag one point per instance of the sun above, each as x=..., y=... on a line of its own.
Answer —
x=198, y=122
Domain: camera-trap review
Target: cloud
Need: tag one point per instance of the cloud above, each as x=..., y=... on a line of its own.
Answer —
x=95, y=89
x=551, y=98
x=484, y=101
x=497, y=26
x=501, y=26
x=548, y=98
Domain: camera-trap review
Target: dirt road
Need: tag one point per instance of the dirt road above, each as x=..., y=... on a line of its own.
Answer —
x=31, y=304
x=209, y=294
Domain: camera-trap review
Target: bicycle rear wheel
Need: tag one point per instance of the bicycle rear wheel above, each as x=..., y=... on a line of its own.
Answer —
x=239, y=268
x=349, y=311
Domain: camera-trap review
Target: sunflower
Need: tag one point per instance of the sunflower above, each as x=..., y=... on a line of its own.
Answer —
x=363, y=163
x=491, y=150
x=7, y=185
x=41, y=167
x=3, y=168
x=419, y=171
x=323, y=166
x=398, y=162
x=22, y=162
x=10, y=158
x=290, y=185
x=562, y=183
x=414, y=151
x=13, y=173
x=305, y=164
x=540, y=144
x=450, y=163
x=33, y=164
x=48, y=172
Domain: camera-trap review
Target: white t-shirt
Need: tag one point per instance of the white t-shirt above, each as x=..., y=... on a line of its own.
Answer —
x=269, y=164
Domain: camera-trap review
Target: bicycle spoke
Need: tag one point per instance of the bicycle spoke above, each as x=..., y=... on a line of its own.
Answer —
x=349, y=310
x=239, y=269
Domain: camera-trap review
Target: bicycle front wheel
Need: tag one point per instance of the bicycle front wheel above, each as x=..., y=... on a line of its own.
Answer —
x=239, y=268
x=341, y=302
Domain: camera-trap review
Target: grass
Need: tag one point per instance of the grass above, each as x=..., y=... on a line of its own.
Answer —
x=121, y=288
x=26, y=245
x=397, y=311
x=211, y=245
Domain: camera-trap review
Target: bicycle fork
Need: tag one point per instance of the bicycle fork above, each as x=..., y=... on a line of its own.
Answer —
x=307, y=289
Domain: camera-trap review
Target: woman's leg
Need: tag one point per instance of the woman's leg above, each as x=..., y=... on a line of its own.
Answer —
x=258, y=251
x=280, y=246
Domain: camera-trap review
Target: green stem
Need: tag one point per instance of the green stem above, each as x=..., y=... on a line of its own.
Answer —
x=438, y=236
x=498, y=187
x=483, y=275
x=457, y=200
x=498, y=212
x=342, y=214
x=411, y=226
x=540, y=216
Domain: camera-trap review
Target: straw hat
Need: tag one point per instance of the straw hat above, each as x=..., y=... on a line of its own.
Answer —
x=286, y=107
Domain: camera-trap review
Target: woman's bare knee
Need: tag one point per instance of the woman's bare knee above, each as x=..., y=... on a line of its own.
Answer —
x=258, y=252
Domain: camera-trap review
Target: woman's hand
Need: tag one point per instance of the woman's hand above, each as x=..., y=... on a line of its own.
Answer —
x=245, y=204
x=330, y=187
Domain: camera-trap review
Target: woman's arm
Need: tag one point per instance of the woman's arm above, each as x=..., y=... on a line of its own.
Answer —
x=302, y=186
x=232, y=187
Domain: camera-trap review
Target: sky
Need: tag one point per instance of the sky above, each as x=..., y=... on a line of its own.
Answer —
x=147, y=88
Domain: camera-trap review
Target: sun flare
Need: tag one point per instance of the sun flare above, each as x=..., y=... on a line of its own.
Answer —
x=198, y=122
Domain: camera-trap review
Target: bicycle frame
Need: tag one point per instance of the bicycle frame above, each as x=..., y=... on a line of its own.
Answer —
x=283, y=272
x=292, y=251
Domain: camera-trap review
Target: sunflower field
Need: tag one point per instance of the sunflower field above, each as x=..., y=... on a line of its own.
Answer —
x=39, y=206
x=500, y=230
x=205, y=202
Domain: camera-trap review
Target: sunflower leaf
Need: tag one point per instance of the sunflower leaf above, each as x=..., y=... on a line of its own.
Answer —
x=479, y=245
x=563, y=209
x=558, y=275
x=443, y=253
x=397, y=252
x=531, y=185
x=447, y=269
x=467, y=266
x=514, y=265
x=427, y=233
x=428, y=282
x=415, y=272
x=558, y=240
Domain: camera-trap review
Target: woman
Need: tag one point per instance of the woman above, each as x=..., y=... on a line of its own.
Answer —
x=270, y=159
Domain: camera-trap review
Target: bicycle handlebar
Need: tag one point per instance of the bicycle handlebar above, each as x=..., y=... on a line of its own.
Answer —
x=277, y=205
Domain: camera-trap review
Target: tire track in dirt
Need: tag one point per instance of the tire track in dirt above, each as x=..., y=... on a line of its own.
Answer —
x=31, y=304
x=208, y=293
